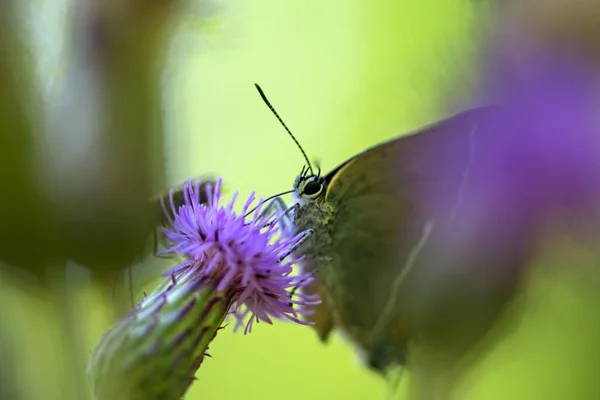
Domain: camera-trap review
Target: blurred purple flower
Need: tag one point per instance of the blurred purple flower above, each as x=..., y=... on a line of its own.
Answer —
x=556, y=137
x=533, y=153
x=250, y=255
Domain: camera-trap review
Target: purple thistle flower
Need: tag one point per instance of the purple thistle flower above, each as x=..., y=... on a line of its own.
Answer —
x=250, y=255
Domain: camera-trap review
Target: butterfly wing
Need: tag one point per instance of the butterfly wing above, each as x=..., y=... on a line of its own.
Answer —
x=396, y=205
x=322, y=315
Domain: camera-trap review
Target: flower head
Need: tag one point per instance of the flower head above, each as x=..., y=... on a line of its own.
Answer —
x=250, y=255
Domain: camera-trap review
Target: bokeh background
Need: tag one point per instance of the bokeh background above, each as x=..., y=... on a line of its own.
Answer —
x=344, y=75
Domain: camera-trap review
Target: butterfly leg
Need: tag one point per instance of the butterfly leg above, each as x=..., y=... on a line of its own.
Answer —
x=304, y=236
x=287, y=222
x=279, y=207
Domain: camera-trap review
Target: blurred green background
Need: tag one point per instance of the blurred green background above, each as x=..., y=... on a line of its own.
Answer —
x=343, y=75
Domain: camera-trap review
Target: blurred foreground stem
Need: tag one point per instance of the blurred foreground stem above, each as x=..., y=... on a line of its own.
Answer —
x=105, y=132
x=61, y=295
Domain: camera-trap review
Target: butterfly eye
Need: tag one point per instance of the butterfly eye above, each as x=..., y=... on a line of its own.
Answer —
x=312, y=188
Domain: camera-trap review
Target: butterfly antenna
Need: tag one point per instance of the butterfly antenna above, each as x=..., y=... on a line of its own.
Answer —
x=262, y=95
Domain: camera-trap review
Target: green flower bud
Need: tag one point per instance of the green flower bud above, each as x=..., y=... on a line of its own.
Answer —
x=154, y=352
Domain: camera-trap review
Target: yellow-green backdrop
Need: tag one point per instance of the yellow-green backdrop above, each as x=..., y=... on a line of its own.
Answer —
x=343, y=74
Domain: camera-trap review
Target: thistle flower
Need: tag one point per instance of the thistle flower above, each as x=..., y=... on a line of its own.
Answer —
x=230, y=264
x=250, y=254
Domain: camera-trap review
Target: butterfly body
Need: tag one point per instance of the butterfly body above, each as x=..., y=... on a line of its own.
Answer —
x=419, y=242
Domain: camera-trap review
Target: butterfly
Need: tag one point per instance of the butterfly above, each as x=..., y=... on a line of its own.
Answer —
x=416, y=240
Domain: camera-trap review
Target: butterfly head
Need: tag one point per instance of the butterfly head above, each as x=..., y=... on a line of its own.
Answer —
x=308, y=186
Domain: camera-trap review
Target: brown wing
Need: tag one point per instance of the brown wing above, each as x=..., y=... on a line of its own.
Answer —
x=395, y=205
x=322, y=316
